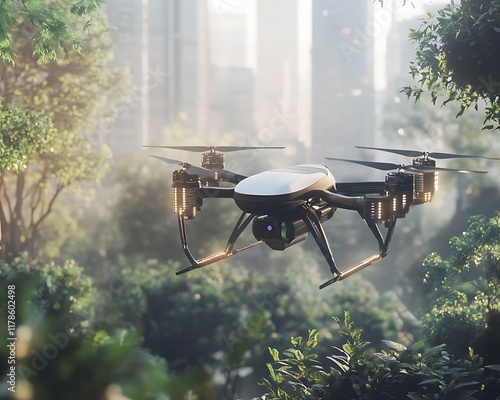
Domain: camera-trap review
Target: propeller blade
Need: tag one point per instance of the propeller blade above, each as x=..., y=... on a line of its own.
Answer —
x=418, y=153
x=411, y=168
x=408, y=153
x=373, y=164
x=200, y=149
x=443, y=156
x=169, y=162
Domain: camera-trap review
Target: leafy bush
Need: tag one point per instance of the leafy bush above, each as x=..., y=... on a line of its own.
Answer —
x=59, y=352
x=395, y=372
x=218, y=321
x=467, y=291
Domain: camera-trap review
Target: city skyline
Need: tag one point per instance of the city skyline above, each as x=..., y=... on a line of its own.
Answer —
x=235, y=65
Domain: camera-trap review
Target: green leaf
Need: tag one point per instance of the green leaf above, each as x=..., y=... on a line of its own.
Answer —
x=416, y=396
x=274, y=354
x=271, y=371
x=394, y=346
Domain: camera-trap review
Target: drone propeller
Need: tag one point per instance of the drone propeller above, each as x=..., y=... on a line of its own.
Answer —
x=425, y=154
x=200, y=149
x=411, y=168
x=169, y=162
x=204, y=173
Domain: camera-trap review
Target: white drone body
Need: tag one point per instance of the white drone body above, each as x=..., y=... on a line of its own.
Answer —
x=281, y=190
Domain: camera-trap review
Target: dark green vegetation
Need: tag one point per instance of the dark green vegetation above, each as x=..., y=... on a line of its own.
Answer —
x=457, y=358
x=395, y=371
x=458, y=57
x=118, y=322
x=48, y=25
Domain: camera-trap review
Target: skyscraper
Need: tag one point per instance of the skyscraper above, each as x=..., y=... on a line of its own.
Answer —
x=125, y=18
x=232, y=74
x=342, y=76
x=164, y=43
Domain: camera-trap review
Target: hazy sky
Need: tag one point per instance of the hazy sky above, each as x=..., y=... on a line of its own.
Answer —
x=383, y=16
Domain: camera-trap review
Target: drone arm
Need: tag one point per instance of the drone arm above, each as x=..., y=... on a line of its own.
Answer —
x=228, y=176
x=339, y=200
x=359, y=188
x=215, y=192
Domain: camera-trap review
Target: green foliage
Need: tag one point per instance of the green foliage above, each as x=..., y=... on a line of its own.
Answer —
x=60, y=292
x=298, y=373
x=22, y=133
x=74, y=94
x=220, y=320
x=140, y=211
x=52, y=26
x=396, y=372
x=457, y=55
x=467, y=286
x=59, y=351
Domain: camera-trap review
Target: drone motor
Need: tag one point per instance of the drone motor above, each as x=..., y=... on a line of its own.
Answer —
x=425, y=187
x=185, y=201
x=212, y=160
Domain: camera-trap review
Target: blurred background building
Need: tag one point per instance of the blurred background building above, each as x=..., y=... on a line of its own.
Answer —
x=294, y=72
x=342, y=76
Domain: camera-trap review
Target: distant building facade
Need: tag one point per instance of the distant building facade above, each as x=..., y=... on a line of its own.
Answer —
x=343, y=96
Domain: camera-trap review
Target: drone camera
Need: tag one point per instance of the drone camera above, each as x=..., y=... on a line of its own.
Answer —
x=279, y=233
x=185, y=200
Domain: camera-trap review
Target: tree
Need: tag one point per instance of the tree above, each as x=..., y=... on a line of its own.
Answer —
x=457, y=56
x=51, y=26
x=22, y=133
x=467, y=287
x=74, y=94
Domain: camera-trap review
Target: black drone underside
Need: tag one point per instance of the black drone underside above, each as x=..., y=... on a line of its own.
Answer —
x=285, y=205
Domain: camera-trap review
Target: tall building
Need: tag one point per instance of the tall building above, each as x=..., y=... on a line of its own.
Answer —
x=165, y=45
x=342, y=76
x=276, y=83
x=125, y=19
x=282, y=78
x=231, y=71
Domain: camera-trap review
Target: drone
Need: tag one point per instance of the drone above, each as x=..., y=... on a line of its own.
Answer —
x=285, y=205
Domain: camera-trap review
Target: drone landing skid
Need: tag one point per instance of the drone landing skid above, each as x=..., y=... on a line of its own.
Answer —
x=383, y=251
x=242, y=223
x=314, y=226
